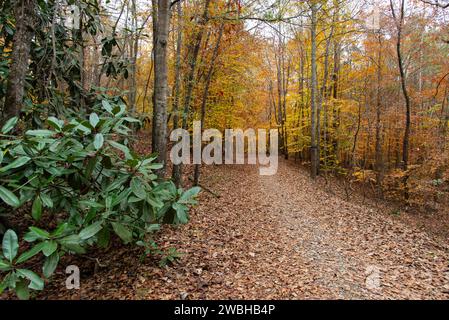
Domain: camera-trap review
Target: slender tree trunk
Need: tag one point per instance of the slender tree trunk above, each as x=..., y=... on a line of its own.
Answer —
x=190, y=78
x=406, y=141
x=378, y=156
x=160, y=84
x=400, y=25
x=176, y=174
x=314, y=144
x=24, y=13
x=206, y=93
x=134, y=47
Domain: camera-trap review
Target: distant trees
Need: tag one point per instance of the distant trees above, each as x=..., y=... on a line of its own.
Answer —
x=369, y=97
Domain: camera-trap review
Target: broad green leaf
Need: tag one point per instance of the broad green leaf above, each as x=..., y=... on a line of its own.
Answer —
x=36, y=282
x=30, y=253
x=106, y=105
x=9, y=125
x=4, y=266
x=50, y=247
x=36, y=210
x=39, y=233
x=60, y=229
x=189, y=195
x=154, y=201
x=153, y=227
x=155, y=166
x=46, y=200
x=91, y=204
x=94, y=119
x=91, y=230
x=8, y=197
x=8, y=281
x=50, y=265
x=123, y=232
x=76, y=248
x=15, y=164
x=55, y=123
x=98, y=141
x=103, y=237
x=181, y=213
x=120, y=147
x=71, y=239
x=22, y=290
x=40, y=133
x=10, y=245
x=138, y=188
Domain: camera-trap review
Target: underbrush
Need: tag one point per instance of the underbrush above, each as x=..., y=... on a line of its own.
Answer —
x=77, y=184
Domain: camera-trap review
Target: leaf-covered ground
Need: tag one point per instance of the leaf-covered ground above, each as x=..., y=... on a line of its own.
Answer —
x=280, y=237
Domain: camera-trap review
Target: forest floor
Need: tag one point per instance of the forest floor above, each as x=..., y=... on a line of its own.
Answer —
x=275, y=237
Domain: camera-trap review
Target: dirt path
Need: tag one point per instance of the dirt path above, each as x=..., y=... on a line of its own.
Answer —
x=281, y=237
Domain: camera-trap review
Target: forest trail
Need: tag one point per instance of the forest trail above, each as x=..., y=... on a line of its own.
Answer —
x=275, y=237
x=284, y=237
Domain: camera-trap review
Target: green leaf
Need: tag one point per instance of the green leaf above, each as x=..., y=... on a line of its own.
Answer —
x=36, y=210
x=91, y=204
x=138, y=188
x=59, y=230
x=106, y=105
x=181, y=212
x=91, y=230
x=10, y=245
x=55, y=123
x=46, y=200
x=40, y=133
x=50, y=265
x=98, y=141
x=188, y=196
x=4, y=266
x=155, y=166
x=30, y=253
x=15, y=164
x=22, y=291
x=76, y=248
x=103, y=238
x=36, y=282
x=9, y=125
x=124, y=233
x=8, y=197
x=49, y=247
x=39, y=233
x=94, y=119
x=121, y=147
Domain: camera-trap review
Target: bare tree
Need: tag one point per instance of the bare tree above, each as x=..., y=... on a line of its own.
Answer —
x=399, y=22
x=192, y=54
x=314, y=143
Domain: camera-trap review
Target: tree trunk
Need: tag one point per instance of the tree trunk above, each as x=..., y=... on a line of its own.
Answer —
x=400, y=24
x=190, y=78
x=314, y=146
x=24, y=13
x=378, y=156
x=196, y=178
x=176, y=174
x=160, y=84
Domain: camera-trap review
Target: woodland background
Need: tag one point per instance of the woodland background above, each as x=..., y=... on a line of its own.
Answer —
x=357, y=90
